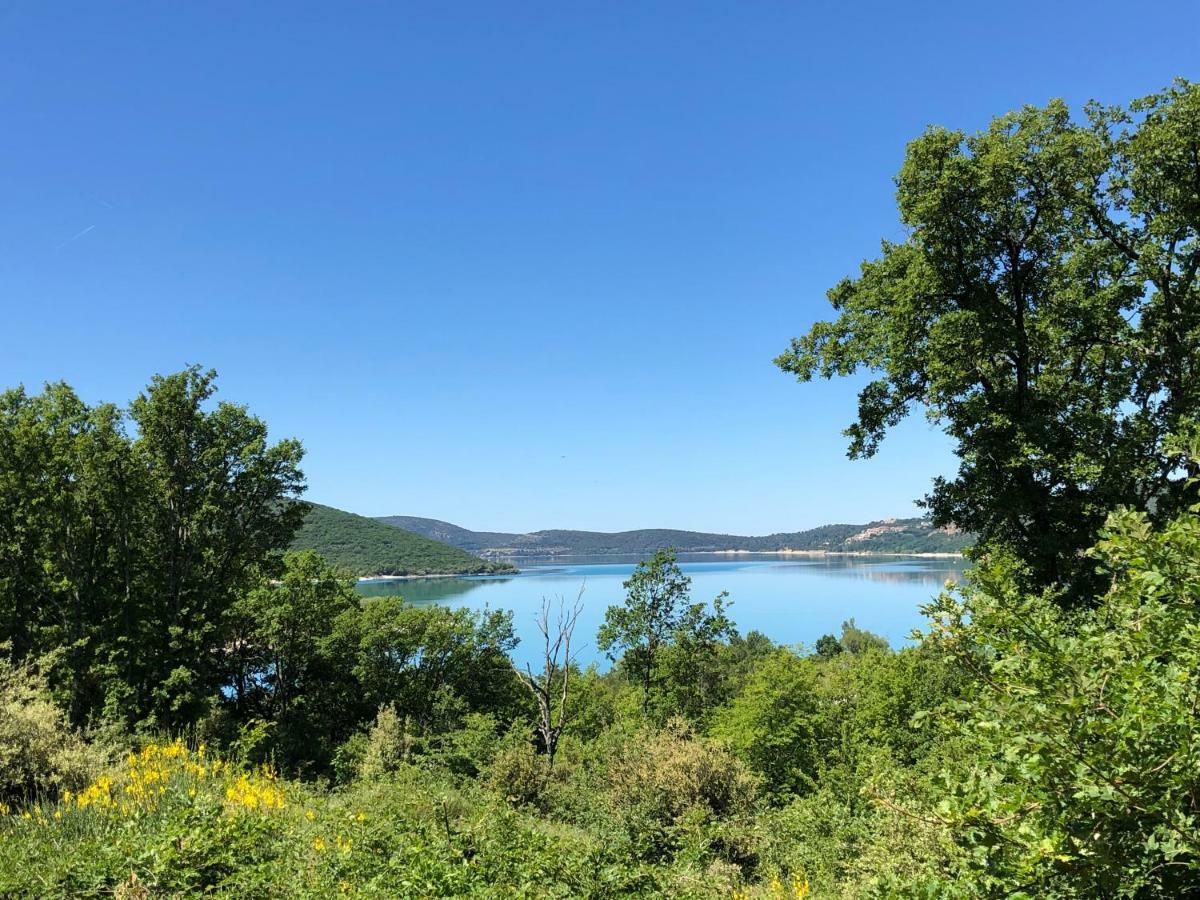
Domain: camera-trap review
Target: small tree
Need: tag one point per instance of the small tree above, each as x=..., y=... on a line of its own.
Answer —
x=657, y=615
x=857, y=640
x=827, y=646
x=551, y=688
x=654, y=594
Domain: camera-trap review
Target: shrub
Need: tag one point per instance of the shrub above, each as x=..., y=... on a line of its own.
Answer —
x=1088, y=768
x=665, y=783
x=774, y=725
x=40, y=754
x=518, y=773
x=387, y=745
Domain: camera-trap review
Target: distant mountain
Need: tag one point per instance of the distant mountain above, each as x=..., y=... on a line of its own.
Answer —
x=367, y=547
x=885, y=536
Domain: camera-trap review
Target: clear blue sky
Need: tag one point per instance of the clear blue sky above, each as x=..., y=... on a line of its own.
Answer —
x=514, y=265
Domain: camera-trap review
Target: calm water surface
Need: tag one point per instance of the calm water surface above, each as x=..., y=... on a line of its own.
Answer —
x=791, y=599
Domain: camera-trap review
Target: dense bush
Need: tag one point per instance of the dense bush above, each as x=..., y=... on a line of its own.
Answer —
x=1088, y=763
x=40, y=753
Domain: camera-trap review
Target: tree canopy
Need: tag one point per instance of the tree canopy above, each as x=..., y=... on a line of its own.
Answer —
x=125, y=551
x=1044, y=308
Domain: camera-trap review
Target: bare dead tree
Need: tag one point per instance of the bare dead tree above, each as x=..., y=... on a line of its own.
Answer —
x=552, y=686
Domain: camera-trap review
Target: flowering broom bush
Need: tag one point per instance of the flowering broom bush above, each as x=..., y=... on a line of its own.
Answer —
x=178, y=821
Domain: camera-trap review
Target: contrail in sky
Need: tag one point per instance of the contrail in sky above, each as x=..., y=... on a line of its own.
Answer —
x=76, y=237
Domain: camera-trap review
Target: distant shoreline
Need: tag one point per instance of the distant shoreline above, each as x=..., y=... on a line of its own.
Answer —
x=932, y=554
x=813, y=553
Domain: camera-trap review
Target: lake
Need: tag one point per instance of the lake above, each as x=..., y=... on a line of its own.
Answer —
x=791, y=599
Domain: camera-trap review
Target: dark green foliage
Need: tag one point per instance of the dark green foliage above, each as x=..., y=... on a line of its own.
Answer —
x=124, y=553
x=279, y=668
x=1045, y=308
x=310, y=665
x=218, y=512
x=433, y=662
x=367, y=547
x=827, y=646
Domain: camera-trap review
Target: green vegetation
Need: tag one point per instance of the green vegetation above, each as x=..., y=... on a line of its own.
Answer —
x=186, y=708
x=121, y=554
x=889, y=536
x=367, y=547
x=1044, y=309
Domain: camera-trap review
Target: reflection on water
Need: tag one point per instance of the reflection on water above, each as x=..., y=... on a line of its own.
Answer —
x=428, y=590
x=792, y=599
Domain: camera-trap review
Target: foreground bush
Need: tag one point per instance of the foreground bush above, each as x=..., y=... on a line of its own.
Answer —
x=175, y=821
x=40, y=754
x=1088, y=765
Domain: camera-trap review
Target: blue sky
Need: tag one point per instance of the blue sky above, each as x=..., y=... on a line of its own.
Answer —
x=514, y=265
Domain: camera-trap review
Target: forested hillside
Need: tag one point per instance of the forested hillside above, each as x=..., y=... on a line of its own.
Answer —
x=365, y=547
x=888, y=536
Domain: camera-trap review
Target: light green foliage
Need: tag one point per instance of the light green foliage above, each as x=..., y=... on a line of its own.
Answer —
x=847, y=845
x=773, y=723
x=412, y=836
x=858, y=641
x=695, y=675
x=1044, y=308
x=517, y=774
x=388, y=745
x=668, y=785
x=40, y=753
x=1087, y=775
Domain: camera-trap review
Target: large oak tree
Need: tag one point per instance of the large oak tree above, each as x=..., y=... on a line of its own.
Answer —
x=1044, y=308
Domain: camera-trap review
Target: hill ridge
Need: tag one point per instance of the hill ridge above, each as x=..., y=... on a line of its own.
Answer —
x=893, y=535
x=367, y=547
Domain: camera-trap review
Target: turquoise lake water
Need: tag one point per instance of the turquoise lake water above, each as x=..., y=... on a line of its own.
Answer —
x=791, y=599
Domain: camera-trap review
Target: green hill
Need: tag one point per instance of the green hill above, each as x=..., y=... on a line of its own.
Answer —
x=369, y=547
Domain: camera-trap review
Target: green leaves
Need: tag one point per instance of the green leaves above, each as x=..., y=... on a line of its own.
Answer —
x=129, y=550
x=664, y=636
x=1045, y=310
x=1084, y=729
